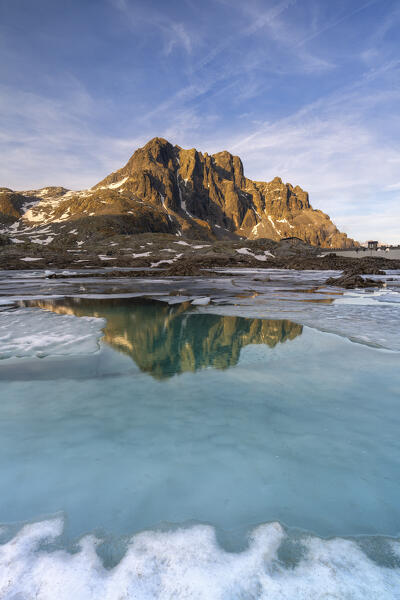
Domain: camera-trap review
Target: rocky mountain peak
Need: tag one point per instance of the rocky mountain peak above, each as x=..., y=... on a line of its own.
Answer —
x=167, y=188
x=231, y=166
x=158, y=150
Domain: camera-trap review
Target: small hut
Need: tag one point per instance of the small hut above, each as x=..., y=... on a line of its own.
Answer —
x=372, y=245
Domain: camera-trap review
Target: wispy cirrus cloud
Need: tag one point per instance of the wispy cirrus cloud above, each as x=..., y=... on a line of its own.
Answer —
x=334, y=148
x=51, y=141
x=393, y=186
x=319, y=29
x=174, y=33
x=245, y=76
x=266, y=79
x=381, y=224
x=179, y=37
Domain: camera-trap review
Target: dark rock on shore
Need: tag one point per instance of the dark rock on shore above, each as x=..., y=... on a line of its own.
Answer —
x=186, y=268
x=352, y=281
x=4, y=240
x=333, y=262
x=366, y=269
x=67, y=249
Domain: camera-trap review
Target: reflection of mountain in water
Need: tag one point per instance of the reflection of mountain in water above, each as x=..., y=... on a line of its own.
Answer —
x=164, y=340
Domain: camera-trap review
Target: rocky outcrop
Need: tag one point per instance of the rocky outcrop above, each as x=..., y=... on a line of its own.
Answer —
x=353, y=280
x=11, y=205
x=165, y=188
x=351, y=277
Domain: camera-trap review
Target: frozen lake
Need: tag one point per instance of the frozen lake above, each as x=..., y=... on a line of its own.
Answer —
x=196, y=455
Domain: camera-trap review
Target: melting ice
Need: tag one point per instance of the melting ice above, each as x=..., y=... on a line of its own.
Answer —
x=172, y=453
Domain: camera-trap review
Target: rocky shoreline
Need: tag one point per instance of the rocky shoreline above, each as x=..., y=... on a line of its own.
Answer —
x=144, y=251
x=163, y=255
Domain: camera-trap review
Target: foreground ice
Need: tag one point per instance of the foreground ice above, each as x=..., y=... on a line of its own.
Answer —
x=227, y=421
x=188, y=564
x=362, y=315
x=32, y=332
x=366, y=317
x=219, y=420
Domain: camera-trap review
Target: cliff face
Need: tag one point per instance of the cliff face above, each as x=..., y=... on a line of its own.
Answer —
x=164, y=188
x=11, y=205
x=211, y=191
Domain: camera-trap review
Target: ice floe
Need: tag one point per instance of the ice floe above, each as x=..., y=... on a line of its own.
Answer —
x=189, y=564
x=201, y=301
x=363, y=298
x=33, y=332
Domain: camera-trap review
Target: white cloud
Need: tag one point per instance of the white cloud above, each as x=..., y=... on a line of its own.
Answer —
x=342, y=147
x=393, y=186
x=383, y=226
x=329, y=148
x=334, y=148
x=175, y=34
x=179, y=37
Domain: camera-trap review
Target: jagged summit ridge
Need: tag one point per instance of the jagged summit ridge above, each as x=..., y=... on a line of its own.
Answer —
x=165, y=188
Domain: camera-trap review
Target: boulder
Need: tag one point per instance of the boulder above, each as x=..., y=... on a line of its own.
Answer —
x=352, y=280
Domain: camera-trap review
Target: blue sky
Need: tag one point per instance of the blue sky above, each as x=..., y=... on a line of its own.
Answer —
x=305, y=89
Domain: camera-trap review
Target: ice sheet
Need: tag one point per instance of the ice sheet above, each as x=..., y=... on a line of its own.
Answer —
x=188, y=564
x=32, y=332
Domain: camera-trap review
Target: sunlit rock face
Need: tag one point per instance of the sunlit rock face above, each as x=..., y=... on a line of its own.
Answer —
x=211, y=191
x=11, y=205
x=167, y=340
x=167, y=189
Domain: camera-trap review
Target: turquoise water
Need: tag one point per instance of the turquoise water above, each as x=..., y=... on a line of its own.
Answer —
x=183, y=419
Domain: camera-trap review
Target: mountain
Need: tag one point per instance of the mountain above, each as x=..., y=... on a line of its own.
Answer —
x=167, y=189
